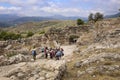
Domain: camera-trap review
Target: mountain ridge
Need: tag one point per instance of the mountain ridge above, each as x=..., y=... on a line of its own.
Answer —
x=7, y=20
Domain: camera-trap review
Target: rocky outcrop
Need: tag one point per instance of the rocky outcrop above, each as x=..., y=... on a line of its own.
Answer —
x=98, y=58
x=14, y=59
x=101, y=70
x=39, y=70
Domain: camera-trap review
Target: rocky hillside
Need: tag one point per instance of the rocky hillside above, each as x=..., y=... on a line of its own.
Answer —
x=97, y=56
x=96, y=53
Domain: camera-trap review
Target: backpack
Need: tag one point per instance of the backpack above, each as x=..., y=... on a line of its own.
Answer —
x=33, y=52
x=42, y=50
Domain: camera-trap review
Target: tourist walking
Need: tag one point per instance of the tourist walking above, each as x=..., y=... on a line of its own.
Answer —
x=34, y=53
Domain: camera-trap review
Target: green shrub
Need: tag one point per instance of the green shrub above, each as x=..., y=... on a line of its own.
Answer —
x=9, y=35
x=80, y=22
x=29, y=34
x=42, y=32
x=11, y=54
x=72, y=38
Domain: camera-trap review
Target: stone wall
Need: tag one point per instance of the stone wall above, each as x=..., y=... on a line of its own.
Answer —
x=62, y=35
x=47, y=70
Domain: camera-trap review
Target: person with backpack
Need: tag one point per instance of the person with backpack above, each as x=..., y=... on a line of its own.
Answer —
x=58, y=54
x=34, y=54
x=42, y=49
x=61, y=49
x=46, y=51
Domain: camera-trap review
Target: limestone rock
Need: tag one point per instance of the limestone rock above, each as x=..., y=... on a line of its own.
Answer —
x=77, y=64
x=79, y=73
x=4, y=78
x=21, y=75
x=49, y=75
x=41, y=78
x=14, y=78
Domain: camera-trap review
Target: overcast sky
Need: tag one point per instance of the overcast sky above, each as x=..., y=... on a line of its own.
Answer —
x=58, y=7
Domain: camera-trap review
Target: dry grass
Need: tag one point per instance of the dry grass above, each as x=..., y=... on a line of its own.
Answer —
x=38, y=26
x=72, y=71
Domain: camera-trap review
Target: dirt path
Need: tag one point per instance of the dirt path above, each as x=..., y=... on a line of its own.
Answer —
x=68, y=50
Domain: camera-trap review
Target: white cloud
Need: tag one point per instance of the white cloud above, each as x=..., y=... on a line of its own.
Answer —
x=116, y=1
x=50, y=7
x=9, y=8
x=5, y=10
x=54, y=9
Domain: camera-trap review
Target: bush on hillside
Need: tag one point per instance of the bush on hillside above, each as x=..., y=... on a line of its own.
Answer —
x=42, y=32
x=72, y=38
x=80, y=22
x=29, y=34
x=9, y=35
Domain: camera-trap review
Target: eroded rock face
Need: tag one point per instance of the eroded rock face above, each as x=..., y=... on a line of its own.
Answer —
x=49, y=70
x=98, y=58
x=14, y=59
x=103, y=70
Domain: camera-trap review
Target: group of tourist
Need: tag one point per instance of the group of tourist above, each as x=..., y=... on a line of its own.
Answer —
x=49, y=52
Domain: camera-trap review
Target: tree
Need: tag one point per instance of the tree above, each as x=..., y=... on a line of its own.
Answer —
x=90, y=17
x=98, y=16
x=80, y=22
x=95, y=17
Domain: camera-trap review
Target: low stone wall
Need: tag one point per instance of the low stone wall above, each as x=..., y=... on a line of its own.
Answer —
x=39, y=70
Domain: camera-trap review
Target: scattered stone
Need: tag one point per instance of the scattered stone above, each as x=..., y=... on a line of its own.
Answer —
x=14, y=78
x=42, y=78
x=49, y=75
x=79, y=73
x=90, y=70
x=8, y=47
x=93, y=76
x=20, y=75
x=77, y=64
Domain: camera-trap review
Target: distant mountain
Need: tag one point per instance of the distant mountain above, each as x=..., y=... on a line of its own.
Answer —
x=30, y=19
x=113, y=16
x=8, y=17
x=7, y=20
x=60, y=17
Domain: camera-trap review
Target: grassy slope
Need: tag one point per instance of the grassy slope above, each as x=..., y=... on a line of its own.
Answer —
x=38, y=26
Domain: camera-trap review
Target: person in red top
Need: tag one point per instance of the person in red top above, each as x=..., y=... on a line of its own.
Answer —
x=51, y=53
